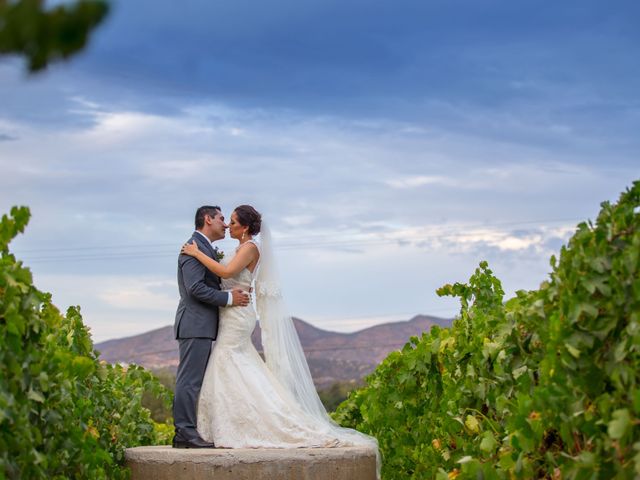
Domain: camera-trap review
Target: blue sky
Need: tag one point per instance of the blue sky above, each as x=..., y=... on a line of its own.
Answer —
x=390, y=145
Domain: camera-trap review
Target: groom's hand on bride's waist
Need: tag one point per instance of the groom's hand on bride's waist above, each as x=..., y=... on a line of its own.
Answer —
x=240, y=298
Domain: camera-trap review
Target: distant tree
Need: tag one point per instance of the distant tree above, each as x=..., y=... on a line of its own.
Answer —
x=160, y=410
x=42, y=35
x=337, y=393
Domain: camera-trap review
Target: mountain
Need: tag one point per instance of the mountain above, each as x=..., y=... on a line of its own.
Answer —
x=332, y=356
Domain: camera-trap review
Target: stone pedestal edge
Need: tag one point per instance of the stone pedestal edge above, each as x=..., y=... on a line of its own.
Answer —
x=164, y=463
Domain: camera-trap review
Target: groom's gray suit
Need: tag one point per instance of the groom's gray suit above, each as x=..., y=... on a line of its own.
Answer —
x=195, y=328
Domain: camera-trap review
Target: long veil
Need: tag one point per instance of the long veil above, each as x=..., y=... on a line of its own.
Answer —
x=283, y=352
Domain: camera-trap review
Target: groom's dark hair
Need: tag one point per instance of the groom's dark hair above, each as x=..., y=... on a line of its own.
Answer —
x=205, y=210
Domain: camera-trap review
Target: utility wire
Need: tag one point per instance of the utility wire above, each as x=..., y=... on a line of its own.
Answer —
x=83, y=255
x=315, y=237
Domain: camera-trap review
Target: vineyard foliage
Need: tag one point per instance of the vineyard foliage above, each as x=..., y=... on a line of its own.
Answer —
x=46, y=33
x=544, y=385
x=63, y=413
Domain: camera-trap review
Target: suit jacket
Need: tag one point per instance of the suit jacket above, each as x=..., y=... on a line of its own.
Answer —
x=200, y=296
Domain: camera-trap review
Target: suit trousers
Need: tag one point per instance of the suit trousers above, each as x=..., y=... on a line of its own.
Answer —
x=194, y=356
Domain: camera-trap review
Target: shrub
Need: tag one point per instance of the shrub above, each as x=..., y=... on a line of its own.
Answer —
x=545, y=385
x=63, y=413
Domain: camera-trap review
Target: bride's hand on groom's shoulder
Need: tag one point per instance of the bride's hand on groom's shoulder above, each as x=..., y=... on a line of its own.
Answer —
x=240, y=297
x=190, y=249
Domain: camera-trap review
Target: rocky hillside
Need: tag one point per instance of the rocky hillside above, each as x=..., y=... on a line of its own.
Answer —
x=332, y=356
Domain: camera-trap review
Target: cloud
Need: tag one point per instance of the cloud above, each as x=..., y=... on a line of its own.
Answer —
x=491, y=56
x=456, y=239
x=140, y=294
x=114, y=305
x=298, y=220
x=535, y=241
x=329, y=175
x=417, y=181
x=396, y=159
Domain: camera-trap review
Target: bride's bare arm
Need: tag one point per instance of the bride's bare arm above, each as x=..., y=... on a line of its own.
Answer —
x=247, y=253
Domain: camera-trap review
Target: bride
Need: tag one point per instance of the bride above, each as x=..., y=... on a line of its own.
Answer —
x=246, y=402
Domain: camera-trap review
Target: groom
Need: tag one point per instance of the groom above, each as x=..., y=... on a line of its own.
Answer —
x=196, y=324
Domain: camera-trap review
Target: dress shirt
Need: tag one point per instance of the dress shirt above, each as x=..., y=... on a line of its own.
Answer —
x=230, y=300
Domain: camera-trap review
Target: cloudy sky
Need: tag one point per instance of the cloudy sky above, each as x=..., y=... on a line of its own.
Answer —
x=390, y=145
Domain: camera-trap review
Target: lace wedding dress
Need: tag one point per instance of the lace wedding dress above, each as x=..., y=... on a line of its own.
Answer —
x=247, y=403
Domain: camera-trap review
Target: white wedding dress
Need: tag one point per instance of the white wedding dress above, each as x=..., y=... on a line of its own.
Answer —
x=243, y=403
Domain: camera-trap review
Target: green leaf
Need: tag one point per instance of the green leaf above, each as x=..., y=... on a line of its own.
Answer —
x=472, y=424
x=572, y=350
x=488, y=443
x=620, y=352
x=636, y=401
x=442, y=475
x=35, y=396
x=587, y=459
x=83, y=366
x=518, y=372
x=621, y=423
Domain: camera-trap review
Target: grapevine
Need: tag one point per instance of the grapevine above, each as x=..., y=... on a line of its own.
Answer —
x=543, y=385
x=63, y=413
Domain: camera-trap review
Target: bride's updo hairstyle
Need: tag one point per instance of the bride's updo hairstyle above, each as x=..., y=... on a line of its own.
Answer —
x=249, y=217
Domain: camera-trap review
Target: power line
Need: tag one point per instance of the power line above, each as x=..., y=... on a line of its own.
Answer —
x=103, y=247
x=329, y=242
x=307, y=236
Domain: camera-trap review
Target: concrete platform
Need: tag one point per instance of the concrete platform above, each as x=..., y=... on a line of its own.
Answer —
x=164, y=463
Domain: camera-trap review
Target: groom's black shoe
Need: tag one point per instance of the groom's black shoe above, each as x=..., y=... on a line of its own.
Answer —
x=192, y=443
